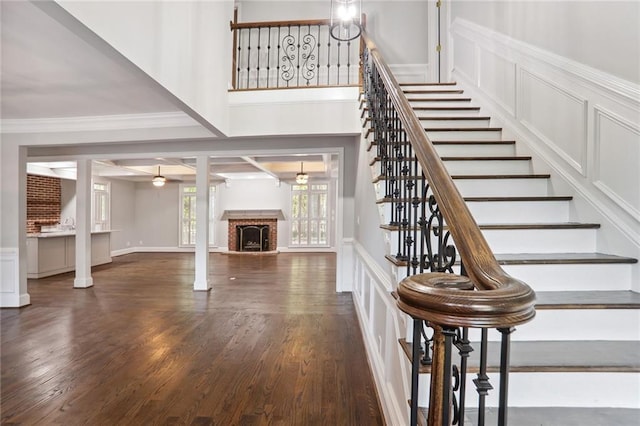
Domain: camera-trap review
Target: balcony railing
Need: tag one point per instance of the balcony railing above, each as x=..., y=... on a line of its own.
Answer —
x=291, y=54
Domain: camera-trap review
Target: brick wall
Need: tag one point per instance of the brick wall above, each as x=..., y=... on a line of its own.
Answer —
x=43, y=201
x=273, y=231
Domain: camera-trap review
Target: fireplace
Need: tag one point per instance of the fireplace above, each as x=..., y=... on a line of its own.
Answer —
x=252, y=237
x=258, y=227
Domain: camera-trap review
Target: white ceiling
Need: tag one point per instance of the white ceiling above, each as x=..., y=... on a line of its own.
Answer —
x=50, y=72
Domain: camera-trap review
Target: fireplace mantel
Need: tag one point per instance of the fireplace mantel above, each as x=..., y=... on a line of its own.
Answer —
x=252, y=214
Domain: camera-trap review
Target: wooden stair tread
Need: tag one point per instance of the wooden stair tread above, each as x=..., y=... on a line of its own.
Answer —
x=463, y=129
x=587, y=300
x=488, y=199
x=454, y=118
x=560, y=258
x=558, y=416
x=439, y=100
x=485, y=158
x=447, y=83
x=519, y=226
x=555, y=356
x=519, y=176
x=430, y=92
x=441, y=108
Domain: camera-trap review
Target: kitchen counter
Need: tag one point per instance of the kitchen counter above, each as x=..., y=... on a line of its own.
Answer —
x=51, y=253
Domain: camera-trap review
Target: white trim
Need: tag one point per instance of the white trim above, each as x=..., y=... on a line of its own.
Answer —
x=600, y=112
x=615, y=85
x=394, y=406
x=381, y=276
x=410, y=73
x=102, y=122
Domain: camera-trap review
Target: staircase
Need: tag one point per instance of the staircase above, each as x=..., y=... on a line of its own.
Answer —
x=583, y=348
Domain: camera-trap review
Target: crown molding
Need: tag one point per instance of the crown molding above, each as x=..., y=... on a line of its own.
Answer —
x=98, y=123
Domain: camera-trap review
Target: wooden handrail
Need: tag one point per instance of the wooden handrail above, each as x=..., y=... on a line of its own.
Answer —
x=267, y=24
x=499, y=300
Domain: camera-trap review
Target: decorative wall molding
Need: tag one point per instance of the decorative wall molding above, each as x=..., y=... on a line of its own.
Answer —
x=99, y=123
x=486, y=37
x=10, y=296
x=564, y=127
x=381, y=328
x=559, y=118
x=623, y=193
x=410, y=73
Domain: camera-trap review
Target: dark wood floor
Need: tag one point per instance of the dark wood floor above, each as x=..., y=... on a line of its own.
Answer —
x=273, y=343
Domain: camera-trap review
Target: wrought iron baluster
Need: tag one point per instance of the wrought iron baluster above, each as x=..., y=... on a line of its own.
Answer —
x=338, y=63
x=415, y=370
x=278, y=67
x=248, y=57
x=318, y=61
x=258, y=59
x=464, y=350
x=482, y=382
x=505, y=355
x=269, y=57
x=298, y=54
x=329, y=57
x=348, y=60
x=426, y=355
x=239, y=58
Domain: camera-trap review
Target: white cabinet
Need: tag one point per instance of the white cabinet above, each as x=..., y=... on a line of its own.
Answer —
x=55, y=253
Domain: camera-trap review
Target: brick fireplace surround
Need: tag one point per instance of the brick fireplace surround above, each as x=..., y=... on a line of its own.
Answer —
x=273, y=231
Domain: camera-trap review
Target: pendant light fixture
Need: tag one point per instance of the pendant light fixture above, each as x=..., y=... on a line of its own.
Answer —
x=346, y=19
x=158, y=180
x=302, y=178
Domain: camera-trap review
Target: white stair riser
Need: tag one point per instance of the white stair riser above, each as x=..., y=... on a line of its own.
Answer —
x=579, y=389
x=488, y=167
x=493, y=212
x=505, y=212
x=502, y=187
x=485, y=135
x=440, y=95
x=531, y=240
x=429, y=86
x=447, y=112
x=574, y=324
x=541, y=240
x=573, y=277
x=469, y=150
x=446, y=124
x=415, y=103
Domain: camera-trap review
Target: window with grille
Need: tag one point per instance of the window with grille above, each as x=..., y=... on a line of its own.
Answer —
x=188, y=215
x=310, y=215
x=100, y=205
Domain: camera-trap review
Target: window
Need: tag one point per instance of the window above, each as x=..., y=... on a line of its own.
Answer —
x=188, y=215
x=100, y=206
x=309, y=215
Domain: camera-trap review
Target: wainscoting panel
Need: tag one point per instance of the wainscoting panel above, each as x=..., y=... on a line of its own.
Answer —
x=497, y=76
x=617, y=160
x=556, y=116
x=464, y=57
x=578, y=122
x=382, y=325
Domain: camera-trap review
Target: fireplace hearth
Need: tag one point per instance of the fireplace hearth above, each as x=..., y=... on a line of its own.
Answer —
x=252, y=237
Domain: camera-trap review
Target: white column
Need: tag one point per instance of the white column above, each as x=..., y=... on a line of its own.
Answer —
x=13, y=222
x=83, y=225
x=202, y=224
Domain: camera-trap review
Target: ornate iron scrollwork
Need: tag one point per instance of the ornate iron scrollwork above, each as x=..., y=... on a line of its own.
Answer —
x=309, y=68
x=442, y=256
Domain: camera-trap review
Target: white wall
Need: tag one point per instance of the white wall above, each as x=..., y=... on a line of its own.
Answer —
x=67, y=200
x=123, y=215
x=156, y=216
x=601, y=34
x=185, y=46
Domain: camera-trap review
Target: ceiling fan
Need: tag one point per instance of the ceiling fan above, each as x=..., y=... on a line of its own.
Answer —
x=159, y=180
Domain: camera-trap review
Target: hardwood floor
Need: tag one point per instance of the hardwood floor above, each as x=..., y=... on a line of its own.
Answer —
x=272, y=343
